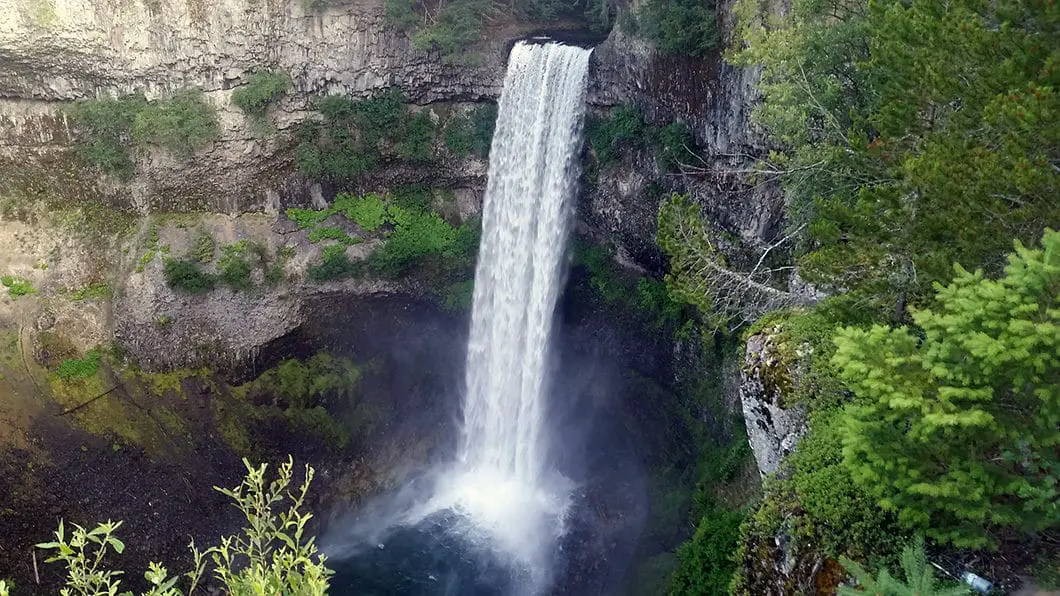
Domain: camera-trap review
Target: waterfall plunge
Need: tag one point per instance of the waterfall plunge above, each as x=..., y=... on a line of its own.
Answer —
x=502, y=482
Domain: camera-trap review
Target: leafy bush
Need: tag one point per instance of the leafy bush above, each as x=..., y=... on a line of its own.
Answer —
x=80, y=368
x=955, y=425
x=182, y=124
x=417, y=146
x=841, y=514
x=680, y=27
x=353, y=134
x=368, y=211
x=416, y=234
x=648, y=298
x=624, y=126
x=262, y=88
x=456, y=27
x=233, y=268
x=106, y=125
x=269, y=556
x=308, y=218
x=334, y=264
x=17, y=286
x=705, y=562
x=413, y=197
x=185, y=275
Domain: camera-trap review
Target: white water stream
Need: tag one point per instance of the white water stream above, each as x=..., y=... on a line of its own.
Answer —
x=502, y=482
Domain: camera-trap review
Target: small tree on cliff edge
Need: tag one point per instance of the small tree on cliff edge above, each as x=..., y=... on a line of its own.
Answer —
x=956, y=426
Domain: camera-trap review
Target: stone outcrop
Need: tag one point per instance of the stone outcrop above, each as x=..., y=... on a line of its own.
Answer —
x=773, y=428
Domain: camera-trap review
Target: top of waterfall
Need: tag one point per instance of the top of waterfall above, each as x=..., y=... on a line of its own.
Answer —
x=581, y=39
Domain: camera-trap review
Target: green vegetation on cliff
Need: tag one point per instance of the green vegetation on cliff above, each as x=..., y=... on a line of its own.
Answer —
x=263, y=87
x=181, y=123
x=17, y=286
x=915, y=142
x=354, y=136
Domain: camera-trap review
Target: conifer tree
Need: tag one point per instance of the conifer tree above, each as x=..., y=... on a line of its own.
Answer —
x=956, y=425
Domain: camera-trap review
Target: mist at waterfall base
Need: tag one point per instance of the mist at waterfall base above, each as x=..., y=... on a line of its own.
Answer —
x=491, y=521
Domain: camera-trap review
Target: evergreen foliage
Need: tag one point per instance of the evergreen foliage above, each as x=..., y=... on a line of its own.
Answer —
x=919, y=577
x=680, y=27
x=182, y=124
x=334, y=264
x=233, y=268
x=473, y=132
x=956, y=425
x=705, y=562
x=912, y=135
x=624, y=129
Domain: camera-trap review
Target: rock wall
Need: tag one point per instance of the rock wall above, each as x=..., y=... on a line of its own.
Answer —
x=773, y=428
x=55, y=51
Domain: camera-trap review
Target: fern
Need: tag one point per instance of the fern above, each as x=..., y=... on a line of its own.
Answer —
x=919, y=577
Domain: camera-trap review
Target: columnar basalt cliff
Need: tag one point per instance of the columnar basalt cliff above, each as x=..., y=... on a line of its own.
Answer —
x=65, y=226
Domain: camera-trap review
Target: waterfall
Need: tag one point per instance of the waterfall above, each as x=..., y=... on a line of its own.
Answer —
x=502, y=482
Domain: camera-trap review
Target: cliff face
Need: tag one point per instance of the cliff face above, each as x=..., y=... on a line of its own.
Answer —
x=54, y=51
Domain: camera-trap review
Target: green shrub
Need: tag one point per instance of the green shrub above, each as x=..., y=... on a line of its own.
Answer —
x=473, y=132
x=483, y=123
x=705, y=564
x=674, y=141
x=680, y=27
x=80, y=368
x=349, y=140
x=93, y=290
x=416, y=234
x=844, y=517
x=185, y=275
x=271, y=555
x=412, y=197
x=182, y=124
x=623, y=127
x=233, y=268
x=262, y=88
x=334, y=264
x=368, y=211
x=417, y=144
x=456, y=28
x=401, y=14
x=106, y=125
x=954, y=426
x=307, y=218
x=17, y=286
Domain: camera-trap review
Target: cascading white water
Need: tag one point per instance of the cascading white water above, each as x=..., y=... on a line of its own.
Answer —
x=502, y=482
